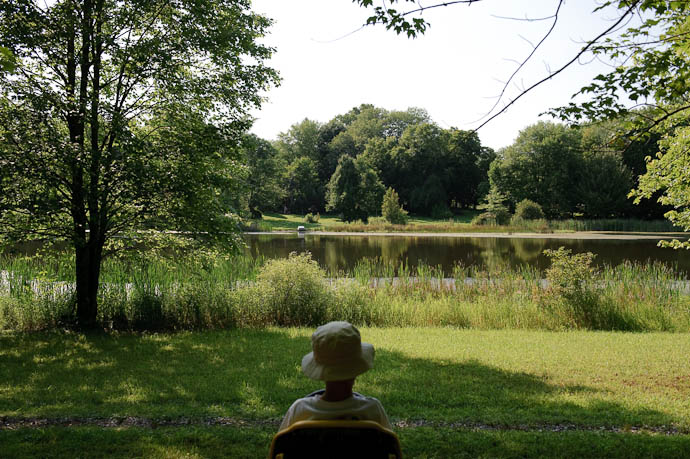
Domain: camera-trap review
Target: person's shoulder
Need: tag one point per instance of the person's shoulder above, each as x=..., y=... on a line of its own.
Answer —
x=309, y=400
x=365, y=398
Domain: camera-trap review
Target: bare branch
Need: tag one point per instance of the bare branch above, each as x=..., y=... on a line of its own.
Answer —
x=526, y=19
x=584, y=49
x=421, y=9
x=524, y=62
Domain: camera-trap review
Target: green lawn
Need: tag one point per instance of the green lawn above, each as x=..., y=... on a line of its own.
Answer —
x=284, y=222
x=221, y=442
x=459, y=223
x=491, y=393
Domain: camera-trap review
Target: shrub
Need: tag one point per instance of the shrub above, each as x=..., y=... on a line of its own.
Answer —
x=293, y=291
x=391, y=209
x=569, y=275
x=498, y=217
x=573, y=280
x=495, y=211
x=528, y=210
x=312, y=218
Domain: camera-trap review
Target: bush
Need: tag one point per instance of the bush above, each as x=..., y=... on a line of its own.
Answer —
x=499, y=217
x=569, y=275
x=312, y=218
x=293, y=292
x=528, y=210
x=573, y=281
x=391, y=209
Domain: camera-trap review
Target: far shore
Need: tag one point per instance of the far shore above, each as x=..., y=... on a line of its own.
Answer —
x=602, y=235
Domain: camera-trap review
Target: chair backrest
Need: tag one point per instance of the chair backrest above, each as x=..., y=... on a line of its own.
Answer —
x=335, y=439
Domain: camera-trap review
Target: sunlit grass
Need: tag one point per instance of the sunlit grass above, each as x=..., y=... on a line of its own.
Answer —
x=479, y=388
x=460, y=223
x=504, y=377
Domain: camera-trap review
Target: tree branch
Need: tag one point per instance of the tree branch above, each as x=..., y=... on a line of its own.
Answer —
x=584, y=49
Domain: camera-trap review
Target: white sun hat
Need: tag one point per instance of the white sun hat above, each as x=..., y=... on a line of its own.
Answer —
x=338, y=353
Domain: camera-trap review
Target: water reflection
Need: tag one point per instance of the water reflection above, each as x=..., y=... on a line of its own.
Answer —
x=342, y=252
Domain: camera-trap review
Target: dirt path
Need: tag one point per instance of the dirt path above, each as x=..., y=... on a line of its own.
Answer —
x=9, y=423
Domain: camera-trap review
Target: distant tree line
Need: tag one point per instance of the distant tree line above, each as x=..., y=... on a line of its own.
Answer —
x=346, y=165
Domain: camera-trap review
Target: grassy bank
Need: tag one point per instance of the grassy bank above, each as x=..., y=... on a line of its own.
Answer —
x=488, y=393
x=458, y=224
x=218, y=292
x=219, y=442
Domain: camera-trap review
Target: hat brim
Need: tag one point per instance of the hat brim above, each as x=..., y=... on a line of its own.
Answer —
x=341, y=371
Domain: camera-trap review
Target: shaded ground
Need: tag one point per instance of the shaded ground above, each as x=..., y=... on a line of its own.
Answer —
x=8, y=423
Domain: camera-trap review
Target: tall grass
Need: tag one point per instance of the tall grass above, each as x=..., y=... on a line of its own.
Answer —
x=211, y=291
x=533, y=226
x=614, y=224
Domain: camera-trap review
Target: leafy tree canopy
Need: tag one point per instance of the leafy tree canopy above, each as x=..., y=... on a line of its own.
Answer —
x=654, y=74
x=354, y=190
x=121, y=117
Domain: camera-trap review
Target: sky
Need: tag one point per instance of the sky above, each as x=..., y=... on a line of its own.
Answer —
x=456, y=70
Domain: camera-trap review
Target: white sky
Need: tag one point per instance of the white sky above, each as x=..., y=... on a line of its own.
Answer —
x=454, y=71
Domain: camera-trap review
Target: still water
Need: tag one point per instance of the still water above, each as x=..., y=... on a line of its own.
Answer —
x=341, y=252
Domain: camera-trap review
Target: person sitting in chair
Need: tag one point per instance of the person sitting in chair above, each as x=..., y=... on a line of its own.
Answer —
x=338, y=356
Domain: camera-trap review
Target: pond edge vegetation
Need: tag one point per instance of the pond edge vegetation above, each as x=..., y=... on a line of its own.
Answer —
x=212, y=291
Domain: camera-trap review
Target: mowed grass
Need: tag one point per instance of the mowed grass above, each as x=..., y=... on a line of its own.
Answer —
x=221, y=442
x=330, y=222
x=508, y=380
x=507, y=377
x=459, y=223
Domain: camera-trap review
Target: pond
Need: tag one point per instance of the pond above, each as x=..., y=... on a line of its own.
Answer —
x=341, y=252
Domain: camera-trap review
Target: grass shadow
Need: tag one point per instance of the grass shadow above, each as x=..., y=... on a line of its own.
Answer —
x=255, y=374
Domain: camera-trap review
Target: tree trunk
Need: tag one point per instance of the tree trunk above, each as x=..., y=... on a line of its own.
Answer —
x=88, y=270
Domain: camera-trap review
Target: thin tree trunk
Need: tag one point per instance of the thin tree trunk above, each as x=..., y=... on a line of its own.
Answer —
x=87, y=251
x=88, y=269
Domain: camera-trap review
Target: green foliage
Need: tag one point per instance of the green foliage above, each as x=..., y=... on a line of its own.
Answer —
x=431, y=193
x=312, y=218
x=569, y=275
x=669, y=173
x=263, y=175
x=603, y=186
x=7, y=61
x=540, y=166
x=500, y=217
x=300, y=141
x=426, y=165
x=495, y=211
x=210, y=291
x=655, y=73
x=441, y=212
x=528, y=210
x=391, y=209
x=571, y=279
x=305, y=190
x=395, y=20
x=354, y=190
x=110, y=128
x=656, y=66
x=573, y=282
x=293, y=292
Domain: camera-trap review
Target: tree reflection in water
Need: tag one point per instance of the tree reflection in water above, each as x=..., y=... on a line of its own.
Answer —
x=341, y=253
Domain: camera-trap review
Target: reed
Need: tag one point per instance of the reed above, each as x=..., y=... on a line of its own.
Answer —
x=206, y=291
x=525, y=226
x=614, y=224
